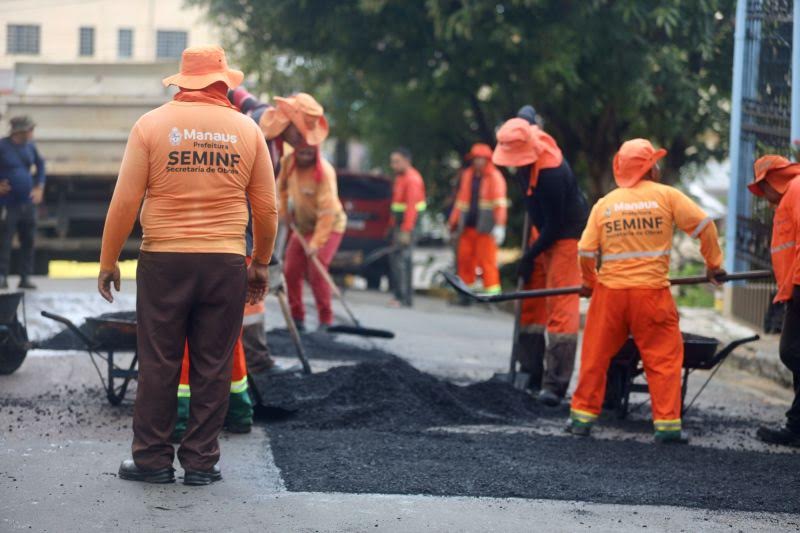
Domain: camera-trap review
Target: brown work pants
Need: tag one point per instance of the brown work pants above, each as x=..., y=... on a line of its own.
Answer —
x=182, y=297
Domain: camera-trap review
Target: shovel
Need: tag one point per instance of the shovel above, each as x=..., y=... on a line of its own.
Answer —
x=356, y=328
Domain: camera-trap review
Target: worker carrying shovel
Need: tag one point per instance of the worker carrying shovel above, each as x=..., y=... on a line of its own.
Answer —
x=548, y=335
x=309, y=202
x=479, y=217
x=776, y=180
x=630, y=232
x=196, y=161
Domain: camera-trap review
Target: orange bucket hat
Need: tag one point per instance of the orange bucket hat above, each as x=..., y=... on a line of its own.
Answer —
x=203, y=65
x=516, y=144
x=303, y=111
x=633, y=160
x=480, y=150
x=777, y=170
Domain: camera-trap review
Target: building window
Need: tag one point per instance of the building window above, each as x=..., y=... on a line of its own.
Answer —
x=170, y=44
x=22, y=39
x=86, y=42
x=125, y=43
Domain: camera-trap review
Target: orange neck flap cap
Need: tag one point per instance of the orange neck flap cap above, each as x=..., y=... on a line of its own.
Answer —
x=776, y=170
x=633, y=160
x=303, y=111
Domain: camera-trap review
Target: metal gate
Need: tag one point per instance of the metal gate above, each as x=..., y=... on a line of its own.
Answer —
x=764, y=119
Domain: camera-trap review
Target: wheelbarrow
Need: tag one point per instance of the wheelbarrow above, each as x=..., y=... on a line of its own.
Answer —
x=107, y=336
x=699, y=353
x=14, y=343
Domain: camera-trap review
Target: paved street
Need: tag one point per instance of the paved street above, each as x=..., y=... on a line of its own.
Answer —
x=61, y=444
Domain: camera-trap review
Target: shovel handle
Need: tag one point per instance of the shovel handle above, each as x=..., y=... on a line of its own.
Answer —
x=733, y=276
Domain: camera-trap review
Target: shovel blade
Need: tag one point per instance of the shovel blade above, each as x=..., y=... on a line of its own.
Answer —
x=519, y=381
x=361, y=331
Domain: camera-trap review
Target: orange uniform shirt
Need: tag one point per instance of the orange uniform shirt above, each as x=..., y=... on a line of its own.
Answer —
x=785, y=240
x=315, y=204
x=196, y=164
x=408, y=198
x=631, y=230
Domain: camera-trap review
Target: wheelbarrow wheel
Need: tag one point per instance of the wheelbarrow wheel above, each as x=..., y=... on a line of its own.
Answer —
x=13, y=348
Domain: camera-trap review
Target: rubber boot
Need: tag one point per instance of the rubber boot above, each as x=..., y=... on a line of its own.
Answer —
x=559, y=363
x=240, y=413
x=183, y=419
x=529, y=351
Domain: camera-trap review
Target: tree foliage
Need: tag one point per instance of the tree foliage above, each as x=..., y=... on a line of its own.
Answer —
x=438, y=75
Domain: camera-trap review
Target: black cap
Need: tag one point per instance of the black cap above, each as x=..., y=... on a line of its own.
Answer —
x=528, y=113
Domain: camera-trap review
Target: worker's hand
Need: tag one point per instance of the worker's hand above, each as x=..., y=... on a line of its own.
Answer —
x=257, y=282
x=312, y=250
x=525, y=267
x=713, y=273
x=404, y=238
x=104, y=281
x=37, y=193
x=5, y=187
x=586, y=291
x=499, y=234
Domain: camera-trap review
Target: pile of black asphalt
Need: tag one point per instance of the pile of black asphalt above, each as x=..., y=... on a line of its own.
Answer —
x=382, y=426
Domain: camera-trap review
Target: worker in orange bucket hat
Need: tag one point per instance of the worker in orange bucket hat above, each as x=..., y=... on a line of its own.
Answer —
x=775, y=180
x=479, y=218
x=548, y=332
x=630, y=231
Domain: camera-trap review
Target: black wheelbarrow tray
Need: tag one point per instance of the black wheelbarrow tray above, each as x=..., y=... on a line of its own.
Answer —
x=699, y=353
x=107, y=336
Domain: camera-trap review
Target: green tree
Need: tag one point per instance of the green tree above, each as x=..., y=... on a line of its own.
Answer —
x=438, y=75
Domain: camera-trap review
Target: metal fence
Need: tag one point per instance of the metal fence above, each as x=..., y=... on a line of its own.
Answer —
x=761, y=123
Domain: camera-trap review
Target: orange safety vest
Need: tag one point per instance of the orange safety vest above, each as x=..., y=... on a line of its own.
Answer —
x=784, y=248
x=492, y=201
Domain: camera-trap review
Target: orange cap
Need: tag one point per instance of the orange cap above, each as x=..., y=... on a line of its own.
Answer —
x=516, y=144
x=480, y=150
x=633, y=160
x=203, y=65
x=303, y=111
x=777, y=170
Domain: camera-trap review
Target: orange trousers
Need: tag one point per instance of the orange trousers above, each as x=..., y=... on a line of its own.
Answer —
x=238, y=378
x=555, y=267
x=651, y=317
x=478, y=250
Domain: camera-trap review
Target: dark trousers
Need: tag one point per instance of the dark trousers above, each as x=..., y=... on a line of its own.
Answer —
x=790, y=355
x=401, y=270
x=183, y=297
x=17, y=219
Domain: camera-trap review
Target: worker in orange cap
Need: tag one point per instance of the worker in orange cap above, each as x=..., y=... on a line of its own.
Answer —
x=630, y=230
x=557, y=209
x=308, y=199
x=775, y=180
x=480, y=217
x=408, y=201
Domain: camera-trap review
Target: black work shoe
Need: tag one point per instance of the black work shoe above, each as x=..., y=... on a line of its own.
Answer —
x=239, y=428
x=549, y=398
x=130, y=472
x=300, y=326
x=26, y=283
x=579, y=430
x=671, y=437
x=198, y=477
x=781, y=436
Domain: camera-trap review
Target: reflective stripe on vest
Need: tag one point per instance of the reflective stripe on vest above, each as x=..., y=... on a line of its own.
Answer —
x=782, y=247
x=635, y=255
x=398, y=207
x=700, y=227
x=590, y=255
x=422, y=206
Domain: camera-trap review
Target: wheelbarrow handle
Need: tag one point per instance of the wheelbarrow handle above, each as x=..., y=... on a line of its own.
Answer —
x=727, y=350
x=72, y=327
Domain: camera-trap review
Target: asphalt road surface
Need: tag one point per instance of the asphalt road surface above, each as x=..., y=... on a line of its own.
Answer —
x=61, y=444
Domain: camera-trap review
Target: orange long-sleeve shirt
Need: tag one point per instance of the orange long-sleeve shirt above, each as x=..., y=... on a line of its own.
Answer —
x=785, y=251
x=196, y=164
x=408, y=198
x=316, y=207
x=631, y=229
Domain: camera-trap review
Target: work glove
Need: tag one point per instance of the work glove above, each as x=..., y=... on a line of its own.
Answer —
x=403, y=238
x=499, y=234
x=525, y=266
x=713, y=273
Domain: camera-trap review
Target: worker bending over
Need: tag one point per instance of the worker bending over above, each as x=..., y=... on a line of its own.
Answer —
x=196, y=162
x=308, y=201
x=408, y=201
x=776, y=180
x=630, y=231
x=479, y=217
x=557, y=210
